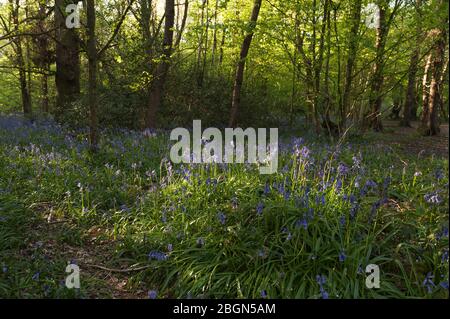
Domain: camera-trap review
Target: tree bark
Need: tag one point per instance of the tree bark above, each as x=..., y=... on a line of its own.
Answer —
x=351, y=59
x=92, y=85
x=67, y=76
x=376, y=100
x=430, y=123
x=159, y=78
x=410, y=100
x=25, y=94
x=239, y=77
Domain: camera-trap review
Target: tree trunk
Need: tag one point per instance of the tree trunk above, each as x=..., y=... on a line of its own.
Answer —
x=351, y=59
x=430, y=123
x=239, y=78
x=425, y=92
x=159, y=78
x=25, y=94
x=411, y=101
x=67, y=76
x=376, y=100
x=92, y=85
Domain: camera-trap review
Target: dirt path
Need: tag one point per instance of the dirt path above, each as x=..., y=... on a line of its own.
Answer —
x=407, y=139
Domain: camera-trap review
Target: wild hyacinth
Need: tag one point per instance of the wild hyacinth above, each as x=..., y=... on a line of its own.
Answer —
x=428, y=283
x=152, y=294
x=157, y=255
x=222, y=218
x=259, y=208
x=321, y=280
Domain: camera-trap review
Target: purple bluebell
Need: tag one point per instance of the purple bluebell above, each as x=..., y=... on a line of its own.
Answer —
x=433, y=198
x=342, y=256
x=302, y=223
x=157, y=255
x=342, y=220
x=222, y=218
x=343, y=170
x=260, y=208
x=263, y=294
x=428, y=283
x=36, y=276
x=152, y=294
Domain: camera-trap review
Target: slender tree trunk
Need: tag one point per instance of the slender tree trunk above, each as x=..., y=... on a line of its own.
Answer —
x=67, y=76
x=44, y=60
x=25, y=94
x=410, y=100
x=214, y=46
x=159, y=79
x=351, y=59
x=376, y=99
x=92, y=62
x=183, y=24
x=239, y=78
x=222, y=44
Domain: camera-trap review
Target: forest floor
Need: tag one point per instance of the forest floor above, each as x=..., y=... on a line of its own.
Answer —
x=42, y=228
x=408, y=140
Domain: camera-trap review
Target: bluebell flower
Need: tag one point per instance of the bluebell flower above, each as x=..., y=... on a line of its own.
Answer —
x=169, y=247
x=444, y=258
x=442, y=234
x=302, y=223
x=287, y=195
x=2, y=219
x=342, y=220
x=4, y=269
x=360, y=270
x=370, y=183
x=124, y=208
x=342, y=256
x=354, y=210
x=338, y=185
x=433, y=198
x=157, y=255
x=267, y=189
x=439, y=174
x=222, y=218
x=321, y=279
x=36, y=276
x=343, y=170
x=444, y=284
x=152, y=294
x=260, y=208
x=263, y=294
x=428, y=283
